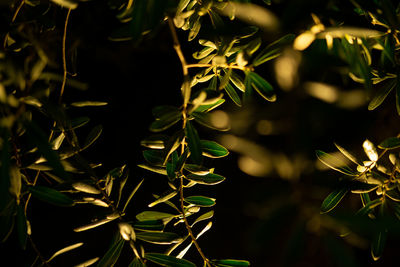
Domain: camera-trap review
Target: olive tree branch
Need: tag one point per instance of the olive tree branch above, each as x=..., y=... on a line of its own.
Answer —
x=186, y=96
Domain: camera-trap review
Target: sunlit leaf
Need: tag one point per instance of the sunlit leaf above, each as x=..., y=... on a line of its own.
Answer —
x=334, y=163
x=87, y=262
x=88, y=104
x=132, y=194
x=164, y=197
x=347, y=154
x=230, y=262
x=381, y=95
x=209, y=107
x=378, y=244
x=159, y=170
x=193, y=143
x=86, y=188
x=332, y=200
x=161, y=238
x=200, y=201
x=64, y=250
x=237, y=81
x=99, y=222
x=22, y=228
x=390, y=143
x=149, y=225
x=204, y=217
x=213, y=149
x=196, y=169
x=203, y=53
x=112, y=255
x=262, y=87
x=153, y=215
x=208, y=179
x=66, y=3
x=233, y=94
x=50, y=195
x=169, y=261
x=205, y=229
x=154, y=142
x=360, y=187
x=195, y=29
x=184, y=251
x=370, y=150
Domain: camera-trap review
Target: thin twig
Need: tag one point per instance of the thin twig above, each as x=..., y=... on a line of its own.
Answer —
x=185, y=70
x=189, y=229
x=12, y=21
x=64, y=56
x=44, y=261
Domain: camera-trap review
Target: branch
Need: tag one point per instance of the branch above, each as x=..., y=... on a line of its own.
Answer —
x=64, y=57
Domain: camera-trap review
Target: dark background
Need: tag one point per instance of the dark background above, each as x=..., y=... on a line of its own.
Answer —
x=266, y=220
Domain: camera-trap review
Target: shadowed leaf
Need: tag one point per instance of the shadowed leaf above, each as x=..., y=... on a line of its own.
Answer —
x=169, y=261
x=332, y=200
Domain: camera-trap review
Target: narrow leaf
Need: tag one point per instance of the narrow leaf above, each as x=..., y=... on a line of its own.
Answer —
x=161, y=238
x=98, y=223
x=164, y=197
x=233, y=94
x=390, y=143
x=112, y=255
x=153, y=215
x=156, y=169
x=132, y=194
x=381, y=95
x=368, y=207
x=64, y=250
x=83, y=187
x=165, y=121
x=230, y=262
x=332, y=200
x=208, y=179
x=88, y=104
x=150, y=225
x=347, y=154
x=50, y=195
x=262, y=87
x=204, y=217
x=93, y=135
x=213, y=149
x=200, y=201
x=334, y=163
x=169, y=261
x=378, y=244
x=193, y=143
x=22, y=227
x=196, y=169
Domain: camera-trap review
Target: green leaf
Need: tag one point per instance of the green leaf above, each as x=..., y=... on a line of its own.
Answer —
x=78, y=122
x=156, y=169
x=204, y=217
x=378, y=244
x=233, y=95
x=237, y=81
x=360, y=187
x=193, y=143
x=196, y=169
x=204, y=119
x=112, y=255
x=132, y=194
x=200, y=201
x=153, y=215
x=109, y=218
x=22, y=228
x=212, y=149
x=334, y=163
x=155, y=141
x=161, y=238
x=230, y=262
x=154, y=157
x=347, y=154
x=165, y=121
x=172, y=166
x=195, y=29
x=390, y=143
x=88, y=104
x=332, y=200
x=273, y=50
x=149, y=225
x=368, y=207
x=164, y=197
x=381, y=95
x=64, y=250
x=50, y=195
x=208, y=179
x=169, y=261
x=209, y=107
x=262, y=87
x=393, y=195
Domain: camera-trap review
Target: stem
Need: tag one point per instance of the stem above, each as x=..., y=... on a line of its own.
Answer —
x=189, y=229
x=44, y=262
x=64, y=57
x=186, y=96
x=21, y=4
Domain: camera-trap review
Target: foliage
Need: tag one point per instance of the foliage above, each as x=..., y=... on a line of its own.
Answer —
x=44, y=137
